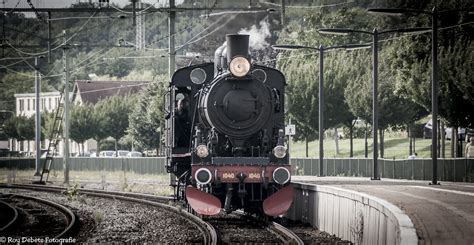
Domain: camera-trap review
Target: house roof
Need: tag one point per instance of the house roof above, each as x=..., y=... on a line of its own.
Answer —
x=93, y=91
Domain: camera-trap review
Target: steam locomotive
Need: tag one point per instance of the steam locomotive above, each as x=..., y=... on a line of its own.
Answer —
x=225, y=134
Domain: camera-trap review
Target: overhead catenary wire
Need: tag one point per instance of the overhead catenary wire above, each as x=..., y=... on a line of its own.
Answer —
x=57, y=47
x=190, y=41
x=309, y=7
x=116, y=88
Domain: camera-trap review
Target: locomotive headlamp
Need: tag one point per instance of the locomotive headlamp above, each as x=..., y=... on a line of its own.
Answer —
x=203, y=176
x=281, y=175
x=202, y=151
x=279, y=151
x=239, y=66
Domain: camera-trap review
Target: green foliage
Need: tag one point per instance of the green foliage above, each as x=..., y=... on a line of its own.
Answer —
x=147, y=116
x=81, y=126
x=10, y=128
x=26, y=127
x=72, y=192
x=112, y=116
x=14, y=83
x=99, y=122
x=456, y=82
x=47, y=123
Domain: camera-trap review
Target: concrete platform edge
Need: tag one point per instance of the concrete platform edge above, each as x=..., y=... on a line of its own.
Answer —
x=351, y=215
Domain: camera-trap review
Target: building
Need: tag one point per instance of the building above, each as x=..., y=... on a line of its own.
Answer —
x=25, y=103
x=91, y=92
x=84, y=91
x=25, y=106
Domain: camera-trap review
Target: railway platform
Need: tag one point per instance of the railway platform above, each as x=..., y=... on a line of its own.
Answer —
x=441, y=214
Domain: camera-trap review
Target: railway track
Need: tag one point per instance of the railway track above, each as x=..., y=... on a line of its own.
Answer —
x=8, y=216
x=238, y=228
x=214, y=231
x=209, y=235
x=28, y=212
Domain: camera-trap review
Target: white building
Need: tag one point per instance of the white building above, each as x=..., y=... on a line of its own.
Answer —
x=25, y=103
x=83, y=92
x=25, y=106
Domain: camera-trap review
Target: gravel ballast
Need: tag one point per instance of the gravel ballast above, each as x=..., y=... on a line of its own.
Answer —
x=107, y=220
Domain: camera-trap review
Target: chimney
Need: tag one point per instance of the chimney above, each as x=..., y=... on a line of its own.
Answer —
x=237, y=45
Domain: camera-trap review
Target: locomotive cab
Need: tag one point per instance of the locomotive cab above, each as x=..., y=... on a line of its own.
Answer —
x=225, y=134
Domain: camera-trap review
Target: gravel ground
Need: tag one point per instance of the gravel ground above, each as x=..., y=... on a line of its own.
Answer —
x=311, y=235
x=235, y=229
x=105, y=220
x=35, y=219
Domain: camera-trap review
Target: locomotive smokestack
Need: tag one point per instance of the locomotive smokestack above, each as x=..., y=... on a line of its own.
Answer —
x=237, y=45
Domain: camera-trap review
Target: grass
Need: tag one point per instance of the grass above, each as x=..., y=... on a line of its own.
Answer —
x=116, y=180
x=396, y=147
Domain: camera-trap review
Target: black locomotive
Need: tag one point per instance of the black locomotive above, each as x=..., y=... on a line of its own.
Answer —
x=225, y=139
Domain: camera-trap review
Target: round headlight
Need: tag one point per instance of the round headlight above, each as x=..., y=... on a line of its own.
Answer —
x=198, y=76
x=239, y=66
x=279, y=151
x=203, y=176
x=202, y=151
x=281, y=175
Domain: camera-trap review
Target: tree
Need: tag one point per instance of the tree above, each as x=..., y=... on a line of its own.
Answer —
x=339, y=69
x=98, y=123
x=10, y=128
x=147, y=117
x=26, y=129
x=81, y=126
x=114, y=122
x=47, y=123
x=14, y=83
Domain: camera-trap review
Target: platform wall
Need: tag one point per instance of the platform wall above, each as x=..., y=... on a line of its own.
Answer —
x=350, y=215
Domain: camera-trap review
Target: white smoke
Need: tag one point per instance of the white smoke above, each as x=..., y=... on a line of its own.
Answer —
x=258, y=36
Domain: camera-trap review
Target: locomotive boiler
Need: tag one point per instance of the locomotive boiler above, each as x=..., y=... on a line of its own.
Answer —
x=225, y=134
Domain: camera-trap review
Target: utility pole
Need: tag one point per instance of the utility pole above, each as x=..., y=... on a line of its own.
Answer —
x=171, y=67
x=49, y=37
x=171, y=22
x=38, y=119
x=140, y=29
x=283, y=23
x=434, y=95
x=375, y=119
x=66, y=111
x=321, y=110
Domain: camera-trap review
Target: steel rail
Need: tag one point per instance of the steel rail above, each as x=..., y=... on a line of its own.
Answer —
x=5, y=206
x=285, y=234
x=68, y=214
x=86, y=191
x=208, y=232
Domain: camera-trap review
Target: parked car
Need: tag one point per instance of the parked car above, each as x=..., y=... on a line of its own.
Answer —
x=120, y=153
x=134, y=154
x=106, y=153
x=85, y=154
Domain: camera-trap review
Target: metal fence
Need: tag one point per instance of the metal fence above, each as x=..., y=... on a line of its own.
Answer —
x=144, y=165
x=460, y=169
